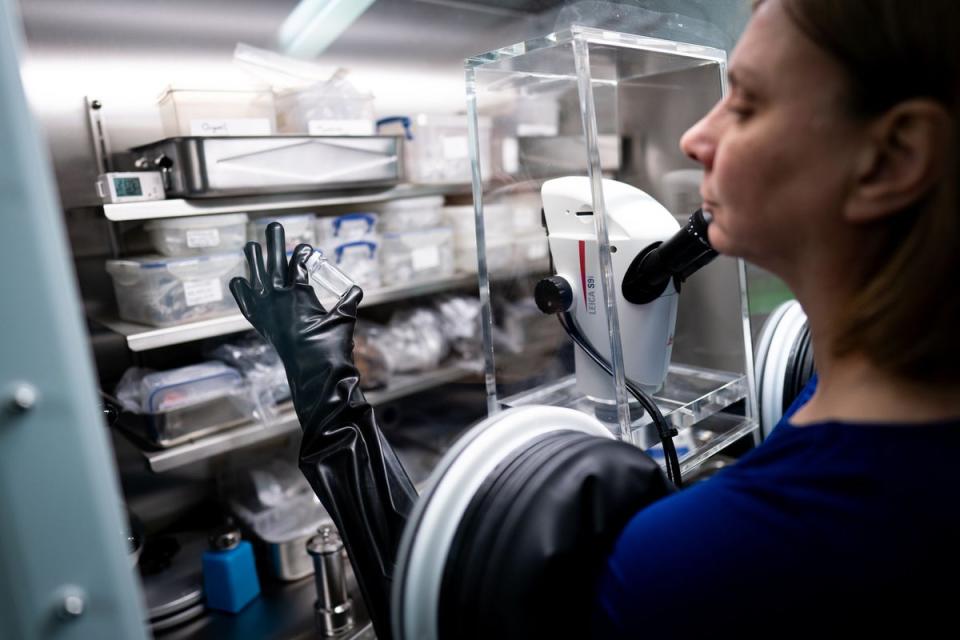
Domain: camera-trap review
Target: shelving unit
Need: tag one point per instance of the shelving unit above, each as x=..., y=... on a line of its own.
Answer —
x=250, y=434
x=143, y=338
x=131, y=211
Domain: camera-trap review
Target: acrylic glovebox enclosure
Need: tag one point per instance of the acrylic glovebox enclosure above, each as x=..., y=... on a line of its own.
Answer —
x=604, y=111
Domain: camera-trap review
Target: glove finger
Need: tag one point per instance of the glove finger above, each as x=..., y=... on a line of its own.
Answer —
x=297, y=271
x=347, y=306
x=243, y=294
x=276, y=256
x=258, y=273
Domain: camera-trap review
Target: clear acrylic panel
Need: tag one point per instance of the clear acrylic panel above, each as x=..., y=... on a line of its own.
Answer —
x=585, y=172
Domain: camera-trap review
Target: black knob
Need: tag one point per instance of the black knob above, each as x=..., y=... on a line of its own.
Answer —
x=553, y=295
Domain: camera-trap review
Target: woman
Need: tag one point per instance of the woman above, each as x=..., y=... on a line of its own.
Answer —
x=833, y=163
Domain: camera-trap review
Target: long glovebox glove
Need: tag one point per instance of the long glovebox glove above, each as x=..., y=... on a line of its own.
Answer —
x=343, y=454
x=533, y=541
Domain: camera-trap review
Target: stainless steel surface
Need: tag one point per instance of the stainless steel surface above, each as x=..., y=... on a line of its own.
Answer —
x=288, y=559
x=287, y=423
x=333, y=608
x=142, y=338
x=223, y=166
x=274, y=202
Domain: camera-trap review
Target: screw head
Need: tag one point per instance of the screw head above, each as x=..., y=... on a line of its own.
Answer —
x=23, y=397
x=73, y=606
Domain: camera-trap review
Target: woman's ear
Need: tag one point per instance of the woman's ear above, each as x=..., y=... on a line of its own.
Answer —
x=907, y=152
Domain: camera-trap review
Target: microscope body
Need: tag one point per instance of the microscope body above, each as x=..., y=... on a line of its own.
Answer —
x=634, y=222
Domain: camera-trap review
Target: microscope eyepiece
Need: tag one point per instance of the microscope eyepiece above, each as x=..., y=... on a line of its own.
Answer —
x=676, y=258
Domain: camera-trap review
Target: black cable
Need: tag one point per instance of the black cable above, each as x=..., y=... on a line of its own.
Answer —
x=664, y=430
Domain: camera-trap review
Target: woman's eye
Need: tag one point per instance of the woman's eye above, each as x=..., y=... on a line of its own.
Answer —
x=740, y=111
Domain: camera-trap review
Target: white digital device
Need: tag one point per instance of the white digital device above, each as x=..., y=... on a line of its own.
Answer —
x=130, y=186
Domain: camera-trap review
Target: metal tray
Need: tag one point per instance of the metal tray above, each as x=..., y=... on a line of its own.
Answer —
x=198, y=167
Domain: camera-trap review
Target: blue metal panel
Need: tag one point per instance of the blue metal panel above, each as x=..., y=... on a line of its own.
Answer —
x=64, y=571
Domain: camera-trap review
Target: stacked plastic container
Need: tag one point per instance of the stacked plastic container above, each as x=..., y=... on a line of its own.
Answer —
x=297, y=228
x=352, y=242
x=515, y=238
x=499, y=237
x=188, y=279
x=417, y=243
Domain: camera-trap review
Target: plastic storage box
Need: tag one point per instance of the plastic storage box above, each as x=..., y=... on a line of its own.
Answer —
x=297, y=229
x=499, y=239
x=414, y=256
x=438, y=150
x=169, y=407
x=320, y=111
x=209, y=112
x=166, y=291
x=404, y=214
x=359, y=260
x=333, y=231
x=198, y=235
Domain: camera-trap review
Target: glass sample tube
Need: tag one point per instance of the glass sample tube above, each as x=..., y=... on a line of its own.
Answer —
x=328, y=281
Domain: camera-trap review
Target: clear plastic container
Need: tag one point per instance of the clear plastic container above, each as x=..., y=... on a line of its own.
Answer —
x=178, y=388
x=359, y=260
x=198, y=235
x=414, y=256
x=497, y=218
x=297, y=229
x=439, y=150
x=169, y=407
x=333, y=231
x=213, y=112
x=161, y=291
x=319, y=110
x=329, y=282
x=531, y=251
x=500, y=255
x=404, y=214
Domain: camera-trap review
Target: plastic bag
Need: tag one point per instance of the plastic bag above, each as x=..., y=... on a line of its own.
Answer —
x=260, y=366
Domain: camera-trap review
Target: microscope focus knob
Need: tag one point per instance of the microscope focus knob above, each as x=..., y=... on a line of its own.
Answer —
x=553, y=295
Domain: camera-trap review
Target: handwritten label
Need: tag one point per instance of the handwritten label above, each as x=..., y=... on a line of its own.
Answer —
x=357, y=127
x=202, y=291
x=201, y=238
x=231, y=127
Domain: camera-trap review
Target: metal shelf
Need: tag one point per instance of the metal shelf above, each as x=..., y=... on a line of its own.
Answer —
x=143, y=338
x=129, y=211
x=286, y=423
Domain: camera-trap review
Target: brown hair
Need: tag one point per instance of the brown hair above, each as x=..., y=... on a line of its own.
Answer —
x=905, y=315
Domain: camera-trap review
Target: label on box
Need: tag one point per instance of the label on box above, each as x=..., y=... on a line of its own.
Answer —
x=201, y=238
x=202, y=291
x=356, y=127
x=230, y=127
x=425, y=258
x=455, y=147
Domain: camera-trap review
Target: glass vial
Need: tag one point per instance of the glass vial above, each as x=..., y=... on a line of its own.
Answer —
x=328, y=281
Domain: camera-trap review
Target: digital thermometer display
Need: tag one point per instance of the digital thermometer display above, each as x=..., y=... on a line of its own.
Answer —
x=127, y=187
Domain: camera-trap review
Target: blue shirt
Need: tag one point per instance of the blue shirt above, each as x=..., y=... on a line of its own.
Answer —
x=857, y=523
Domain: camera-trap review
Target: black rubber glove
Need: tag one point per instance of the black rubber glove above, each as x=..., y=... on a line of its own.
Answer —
x=344, y=456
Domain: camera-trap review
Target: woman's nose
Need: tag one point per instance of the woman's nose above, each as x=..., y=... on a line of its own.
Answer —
x=699, y=142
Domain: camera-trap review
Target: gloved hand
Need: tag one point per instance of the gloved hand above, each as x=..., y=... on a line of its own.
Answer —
x=343, y=455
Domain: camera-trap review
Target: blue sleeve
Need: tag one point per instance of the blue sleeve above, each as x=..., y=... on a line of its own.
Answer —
x=666, y=548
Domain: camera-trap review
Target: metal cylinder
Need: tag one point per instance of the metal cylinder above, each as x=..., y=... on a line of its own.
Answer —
x=333, y=610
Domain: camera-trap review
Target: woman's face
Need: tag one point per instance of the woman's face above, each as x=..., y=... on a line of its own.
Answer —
x=779, y=150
